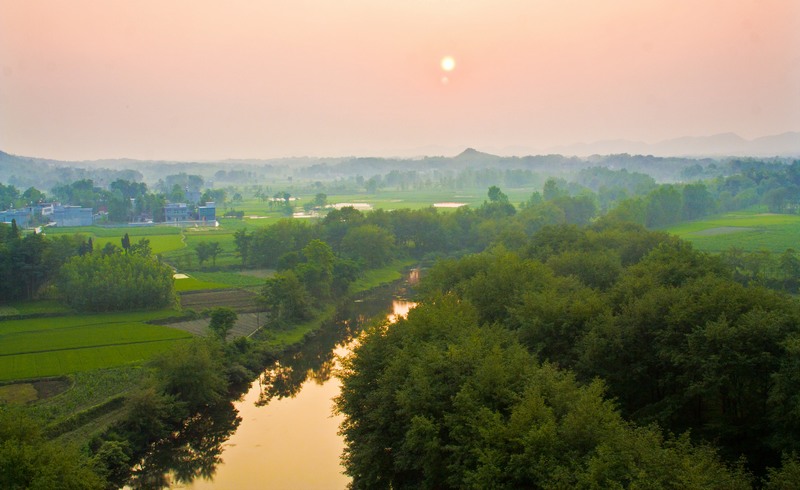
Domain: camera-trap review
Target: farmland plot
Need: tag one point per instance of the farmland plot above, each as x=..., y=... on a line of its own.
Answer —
x=40, y=347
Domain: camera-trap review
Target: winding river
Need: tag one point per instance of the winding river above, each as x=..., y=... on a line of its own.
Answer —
x=286, y=435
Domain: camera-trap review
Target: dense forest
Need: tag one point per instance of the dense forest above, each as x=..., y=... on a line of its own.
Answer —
x=591, y=357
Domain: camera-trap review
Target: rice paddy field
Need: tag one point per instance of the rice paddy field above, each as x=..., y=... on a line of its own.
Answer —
x=747, y=231
x=54, y=346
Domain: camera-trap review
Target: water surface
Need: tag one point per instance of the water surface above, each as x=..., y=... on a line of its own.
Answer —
x=288, y=435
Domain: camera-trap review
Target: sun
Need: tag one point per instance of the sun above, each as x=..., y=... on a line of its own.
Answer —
x=448, y=63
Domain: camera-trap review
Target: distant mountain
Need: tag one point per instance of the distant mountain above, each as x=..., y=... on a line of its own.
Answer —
x=718, y=145
x=473, y=155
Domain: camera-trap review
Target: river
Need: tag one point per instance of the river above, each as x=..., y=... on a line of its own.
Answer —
x=286, y=435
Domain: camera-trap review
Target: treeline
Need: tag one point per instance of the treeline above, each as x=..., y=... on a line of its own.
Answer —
x=774, y=185
x=67, y=267
x=30, y=262
x=569, y=360
x=122, y=200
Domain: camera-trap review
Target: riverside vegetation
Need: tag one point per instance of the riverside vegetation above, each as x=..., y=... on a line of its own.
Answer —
x=562, y=349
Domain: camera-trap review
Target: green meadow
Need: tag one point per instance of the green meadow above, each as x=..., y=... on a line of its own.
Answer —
x=748, y=231
x=162, y=238
x=54, y=346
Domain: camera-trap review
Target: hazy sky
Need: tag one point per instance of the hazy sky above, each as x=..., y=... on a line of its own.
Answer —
x=202, y=79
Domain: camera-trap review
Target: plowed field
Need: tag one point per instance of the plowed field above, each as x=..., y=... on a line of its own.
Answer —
x=238, y=300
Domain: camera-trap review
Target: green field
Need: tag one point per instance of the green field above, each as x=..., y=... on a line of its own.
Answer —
x=234, y=279
x=746, y=231
x=116, y=231
x=162, y=238
x=39, y=307
x=158, y=243
x=39, y=347
x=193, y=284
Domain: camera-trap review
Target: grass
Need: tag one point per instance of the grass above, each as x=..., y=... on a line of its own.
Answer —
x=378, y=277
x=749, y=231
x=193, y=284
x=41, y=347
x=45, y=307
x=18, y=394
x=88, y=390
x=231, y=279
x=52, y=363
x=158, y=243
x=283, y=337
x=118, y=232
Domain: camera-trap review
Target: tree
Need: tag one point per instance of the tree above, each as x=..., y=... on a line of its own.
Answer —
x=286, y=298
x=33, y=195
x=109, y=249
x=496, y=195
x=213, y=250
x=119, y=209
x=116, y=282
x=663, y=207
x=552, y=190
x=222, y=321
x=126, y=243
x=192, y=372
x=316, y=272
x=370, y=244
x=243, y=243
x=141, y=248
x=29, y=461
x=437, y=401
x=203, y=250
x=697, y=201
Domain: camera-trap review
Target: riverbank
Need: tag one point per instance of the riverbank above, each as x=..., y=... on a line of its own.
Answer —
x=93, y=400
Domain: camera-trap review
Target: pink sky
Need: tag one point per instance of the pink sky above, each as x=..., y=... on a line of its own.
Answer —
x=200, y=80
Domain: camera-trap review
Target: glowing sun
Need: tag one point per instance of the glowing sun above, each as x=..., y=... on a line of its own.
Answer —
x=448, y=63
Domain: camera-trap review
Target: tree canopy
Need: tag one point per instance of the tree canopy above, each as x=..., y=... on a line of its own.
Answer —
x=115, y=282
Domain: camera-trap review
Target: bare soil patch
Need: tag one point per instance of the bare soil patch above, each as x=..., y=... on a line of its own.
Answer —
x=31, y=391
x=239, y=300
x=51, y=387
x=259, y=273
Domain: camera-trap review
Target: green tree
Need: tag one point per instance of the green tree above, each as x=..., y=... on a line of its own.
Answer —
x=663, y=207
x=286, y=298
x=370, y=244
x=243, y=243
x=214, y=249
x=141, y=248
x=316, y=272
x=116, y=282
x=496, y=195
x=192, y=372
x=126, y=243
x=29, y=461
x=697, y=201
x=436, y=401
x=552, y=190
x=222, y=321
x=203, y=250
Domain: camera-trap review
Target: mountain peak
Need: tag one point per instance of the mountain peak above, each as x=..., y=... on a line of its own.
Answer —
x=472, y=154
